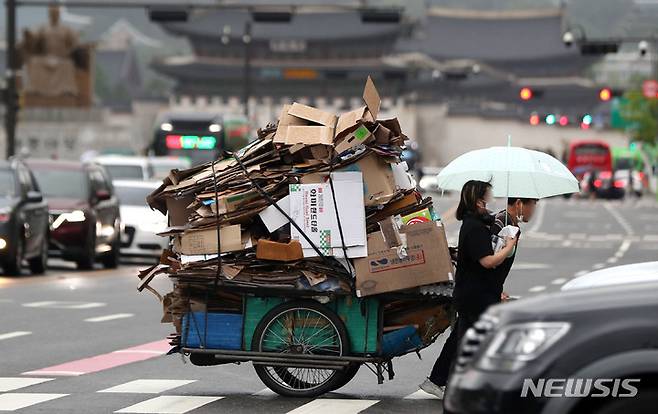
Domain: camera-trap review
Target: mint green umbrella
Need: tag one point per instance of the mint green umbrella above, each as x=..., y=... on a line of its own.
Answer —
x=512, y=171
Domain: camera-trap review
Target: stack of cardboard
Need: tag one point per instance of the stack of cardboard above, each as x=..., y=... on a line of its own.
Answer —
x=317, y=203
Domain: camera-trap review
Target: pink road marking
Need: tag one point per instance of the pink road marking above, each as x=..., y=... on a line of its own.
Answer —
x=106, y=361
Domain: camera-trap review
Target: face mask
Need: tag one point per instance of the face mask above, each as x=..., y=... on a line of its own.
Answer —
x=519, y=217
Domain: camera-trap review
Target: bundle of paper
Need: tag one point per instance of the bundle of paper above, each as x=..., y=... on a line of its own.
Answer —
x=318, y=203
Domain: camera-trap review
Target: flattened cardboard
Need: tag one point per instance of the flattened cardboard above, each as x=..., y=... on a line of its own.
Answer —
x=309, y=135
x=196, y=242
x=285, y=120
x=282, y=252
x=272, y=217
x=350, y=121
x=378, y=179
x=427, y=261
x=371, y=97
x=313, y=115
x=360, y=135
x=178, y=211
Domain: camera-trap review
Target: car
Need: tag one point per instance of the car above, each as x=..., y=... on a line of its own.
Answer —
x=561, y=353
x=617, y=275
x=23, y=220
x=161, y=166
x=84, y=211
x=603, y=185
x=631, y=180
x=122, y=167
x=140, y=223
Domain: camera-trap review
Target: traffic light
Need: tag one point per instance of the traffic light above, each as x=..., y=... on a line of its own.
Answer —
x=586, y=121
x=525, y=94
x=605, y=94
x=598, y=47
x=564, y=120
x=534, y=119
x=550, y=119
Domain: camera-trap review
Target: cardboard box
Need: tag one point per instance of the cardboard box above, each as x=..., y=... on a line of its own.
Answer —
x=303, y=124
x=378, y=179
x=361, y=135
x=312, y=208
x=422, y=216
x=231, y=202
x=283, y=252
x=350, y=121
x=427, y=261
x=199, y=242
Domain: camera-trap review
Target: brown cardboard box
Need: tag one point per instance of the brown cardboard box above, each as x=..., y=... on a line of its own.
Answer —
x=350, y=121
x=194, y=242
x=303, y=124
x=427, y=261
x=283, y=252
x=378, y=179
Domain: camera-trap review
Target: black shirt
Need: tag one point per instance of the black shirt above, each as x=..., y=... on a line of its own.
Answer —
x=504, y=268
x=476, y=287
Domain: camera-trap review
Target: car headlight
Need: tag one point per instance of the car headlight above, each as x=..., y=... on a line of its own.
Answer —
x=514, y=345
x=75, y=216
x=214, y=128
x=167, y=126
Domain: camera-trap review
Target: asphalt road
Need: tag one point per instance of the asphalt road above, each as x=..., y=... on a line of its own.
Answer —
x=88, y=342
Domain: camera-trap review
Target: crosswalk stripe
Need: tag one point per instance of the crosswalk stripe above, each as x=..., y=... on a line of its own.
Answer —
x=169, y=404
x=16, y=401
x=14, y=334
x=110, y=317
x=421, y=395
x=334, y=406
x=265, y=392
x=535, y=289
x=14, y=383
x=148, y=386
x=559, y=281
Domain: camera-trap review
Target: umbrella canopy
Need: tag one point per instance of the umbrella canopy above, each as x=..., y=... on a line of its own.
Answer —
x=512, y=171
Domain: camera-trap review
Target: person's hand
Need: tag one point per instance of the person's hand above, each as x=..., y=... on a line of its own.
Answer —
x=504, y=297
x=510, y=242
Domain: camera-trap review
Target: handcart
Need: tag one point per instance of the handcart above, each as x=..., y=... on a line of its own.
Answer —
x=305, y=346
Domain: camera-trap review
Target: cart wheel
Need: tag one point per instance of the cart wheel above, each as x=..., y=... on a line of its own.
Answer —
x=301, y=327
x=348, y=375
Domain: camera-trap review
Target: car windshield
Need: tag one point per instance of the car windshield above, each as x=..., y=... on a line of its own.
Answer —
x=62, y=183
x=132, y=196
x=125, y=172
x=7, y=183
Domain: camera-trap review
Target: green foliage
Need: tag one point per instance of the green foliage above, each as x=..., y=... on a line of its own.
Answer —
x=642, y=114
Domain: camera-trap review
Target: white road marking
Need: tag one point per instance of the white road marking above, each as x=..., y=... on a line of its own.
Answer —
x=618, y=217
x=612, y=260
x=147, y=386
x=53, y=304
x=14, y=383
x=650, y=237
x=265, y=392
x=421, y=395
x=535, y=289
x=580, y=273
x=559, y=281
x=14, y=334
x=62, y=373
x=577, y=236
x=110, y=317
x=169, y=404
x=16, y=401
x=625, y=246
x=334, y=406
x=598, y=266
x=530, y=266
x=566, y=243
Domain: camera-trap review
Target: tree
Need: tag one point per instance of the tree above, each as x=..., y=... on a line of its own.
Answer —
x=641, y=114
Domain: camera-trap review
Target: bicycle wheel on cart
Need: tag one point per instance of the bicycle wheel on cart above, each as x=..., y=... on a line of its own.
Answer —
x=303, y=327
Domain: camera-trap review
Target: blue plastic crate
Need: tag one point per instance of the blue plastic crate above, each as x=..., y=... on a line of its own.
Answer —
x=401, y=341
x=224, y=330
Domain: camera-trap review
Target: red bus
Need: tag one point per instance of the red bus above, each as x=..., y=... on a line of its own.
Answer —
x=592, y=155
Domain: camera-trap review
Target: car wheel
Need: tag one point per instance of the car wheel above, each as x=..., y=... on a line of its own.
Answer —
x=38, y=264
x=111, y=259
x=13, y=265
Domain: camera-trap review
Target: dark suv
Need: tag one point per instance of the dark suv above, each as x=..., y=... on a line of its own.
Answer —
x=23, y=220
x=582, y=351
x=84, y=211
